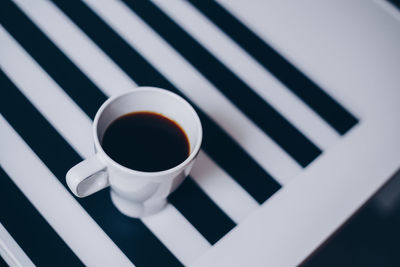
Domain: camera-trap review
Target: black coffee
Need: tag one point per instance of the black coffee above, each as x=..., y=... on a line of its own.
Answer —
x=146, y=141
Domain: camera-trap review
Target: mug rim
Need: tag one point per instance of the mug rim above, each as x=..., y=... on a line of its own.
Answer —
x=181, y=165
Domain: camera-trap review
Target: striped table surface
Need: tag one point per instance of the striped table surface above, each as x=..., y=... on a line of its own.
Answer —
x=277, y=103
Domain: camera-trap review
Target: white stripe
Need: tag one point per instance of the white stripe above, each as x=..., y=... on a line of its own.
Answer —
x=71, y=222
x=91, y=60
x=211, y=178
x=54, y=104
x=11, y=252
x=251, y=72
x=168, y=226
x=220, y=187
x=131, y=28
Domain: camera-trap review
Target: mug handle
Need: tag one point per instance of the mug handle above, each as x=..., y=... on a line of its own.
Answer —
x=87, y=177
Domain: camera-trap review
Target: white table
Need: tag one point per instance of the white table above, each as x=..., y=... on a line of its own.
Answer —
x=350, y=49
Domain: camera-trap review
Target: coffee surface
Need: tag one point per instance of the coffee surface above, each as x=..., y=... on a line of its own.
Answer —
x=146, y=141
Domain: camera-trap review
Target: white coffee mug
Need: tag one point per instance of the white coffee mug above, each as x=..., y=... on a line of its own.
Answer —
x=136, y=193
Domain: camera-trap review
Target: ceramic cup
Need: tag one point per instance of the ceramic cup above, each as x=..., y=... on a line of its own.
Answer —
x=136, y=193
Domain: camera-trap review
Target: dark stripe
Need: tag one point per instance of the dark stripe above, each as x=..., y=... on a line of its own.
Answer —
x=201, y=211
x=130, y=235
x=217, y=143
x=30, y=230
x=396, y=3
x=258, y=110
x=2, y=262
x=323, y=104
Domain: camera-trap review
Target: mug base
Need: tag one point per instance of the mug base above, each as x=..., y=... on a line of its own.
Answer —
x=137, y=209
